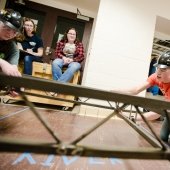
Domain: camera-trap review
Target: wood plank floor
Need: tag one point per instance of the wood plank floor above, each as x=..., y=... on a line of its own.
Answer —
x=20, y=122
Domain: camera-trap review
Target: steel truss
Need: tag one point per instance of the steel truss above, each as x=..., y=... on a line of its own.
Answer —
x=159, y=150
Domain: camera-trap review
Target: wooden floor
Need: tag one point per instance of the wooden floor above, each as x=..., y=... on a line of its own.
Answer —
x=20, y=122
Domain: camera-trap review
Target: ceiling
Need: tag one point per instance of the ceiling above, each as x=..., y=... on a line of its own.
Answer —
x=91, y=5
x=162, y=25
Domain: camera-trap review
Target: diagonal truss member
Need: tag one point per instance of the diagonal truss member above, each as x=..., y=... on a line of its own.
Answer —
x=158, y=151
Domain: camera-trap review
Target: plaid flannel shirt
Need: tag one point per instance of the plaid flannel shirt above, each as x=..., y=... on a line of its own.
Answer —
x=78, y=55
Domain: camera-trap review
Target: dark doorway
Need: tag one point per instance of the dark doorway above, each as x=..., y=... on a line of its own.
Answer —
x=38, y=16
x=25, y=11
x=63, y=24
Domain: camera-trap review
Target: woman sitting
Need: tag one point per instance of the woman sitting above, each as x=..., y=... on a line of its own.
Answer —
x=70, y=53
x=30, y=44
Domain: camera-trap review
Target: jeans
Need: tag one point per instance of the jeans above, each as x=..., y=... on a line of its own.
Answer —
x=28, y=59
x=57, y=66
x=165, y=131
x=154, y=90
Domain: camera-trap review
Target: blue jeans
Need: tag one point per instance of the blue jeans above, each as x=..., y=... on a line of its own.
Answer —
x=165, y=130
x=57, y=66
x=154, y=90
x=28, y=59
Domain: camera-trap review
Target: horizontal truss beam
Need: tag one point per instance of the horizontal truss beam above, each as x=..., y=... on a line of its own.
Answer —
x=81, y=91
x=72, y=149
x=9, y=145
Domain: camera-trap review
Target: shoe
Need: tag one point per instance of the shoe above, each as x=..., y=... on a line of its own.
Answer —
x=22, y=89
x=53, y=94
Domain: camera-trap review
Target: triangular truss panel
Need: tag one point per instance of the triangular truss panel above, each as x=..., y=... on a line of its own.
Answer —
x=121, y=101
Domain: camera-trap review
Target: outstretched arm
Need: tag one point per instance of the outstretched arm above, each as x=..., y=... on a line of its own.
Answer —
x=134, y=90
x=9, y=69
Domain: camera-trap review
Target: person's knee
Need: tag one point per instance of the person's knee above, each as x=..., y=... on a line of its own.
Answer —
x=75, y=66
x=54, y=62
x=57, y=63
x=26, y=59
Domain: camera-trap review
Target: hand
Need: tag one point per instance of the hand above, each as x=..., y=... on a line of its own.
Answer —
x=19, y=46
x=29, y=51
x=8, y=69
x=66, y=60
x=13, y=93
x=69, y=60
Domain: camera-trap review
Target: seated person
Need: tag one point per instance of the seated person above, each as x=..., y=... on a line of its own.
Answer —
x=70, y=53
x=31, y=44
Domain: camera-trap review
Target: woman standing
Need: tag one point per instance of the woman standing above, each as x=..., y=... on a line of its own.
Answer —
x=70, y=53
x=31, y=44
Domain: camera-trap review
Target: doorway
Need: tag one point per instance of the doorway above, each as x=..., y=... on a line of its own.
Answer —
x=63, y=24
x=37, y=16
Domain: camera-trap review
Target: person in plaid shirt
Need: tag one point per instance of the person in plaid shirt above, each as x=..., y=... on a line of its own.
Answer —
x=69, y=53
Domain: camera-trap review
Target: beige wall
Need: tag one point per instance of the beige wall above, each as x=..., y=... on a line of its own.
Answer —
x=71, y=6
x=162, y=36
x=120, y=51
x=2, y=4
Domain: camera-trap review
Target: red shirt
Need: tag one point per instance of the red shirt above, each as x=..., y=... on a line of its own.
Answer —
x=78, y=55
x=164, y=87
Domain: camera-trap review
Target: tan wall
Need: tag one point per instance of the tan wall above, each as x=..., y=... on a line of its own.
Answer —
x=120, y=51
x=2, y=4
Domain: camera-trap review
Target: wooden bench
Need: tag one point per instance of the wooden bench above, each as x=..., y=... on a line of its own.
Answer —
x=44, y=70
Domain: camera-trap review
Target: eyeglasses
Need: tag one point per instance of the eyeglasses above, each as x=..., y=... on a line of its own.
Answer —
x=26, y=25
x=69, y=33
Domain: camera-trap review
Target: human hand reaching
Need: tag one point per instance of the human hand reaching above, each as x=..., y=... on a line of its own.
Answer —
x=8, y=69
x=13, y=93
